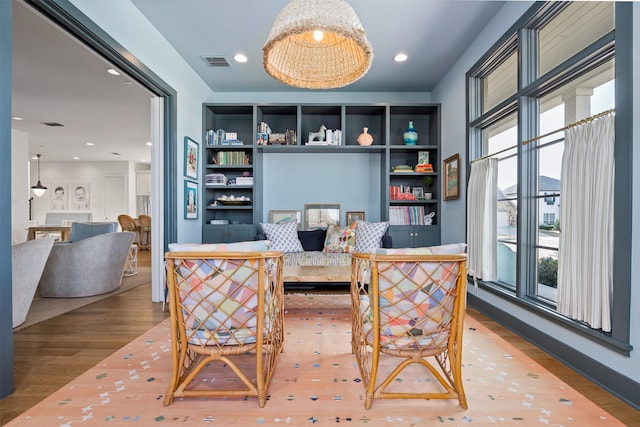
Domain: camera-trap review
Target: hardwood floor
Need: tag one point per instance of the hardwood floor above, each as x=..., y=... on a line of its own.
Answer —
x=50, y=354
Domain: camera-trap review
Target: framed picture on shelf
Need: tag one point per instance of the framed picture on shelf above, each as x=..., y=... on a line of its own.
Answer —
x=190, y=200
x=354, y=216
x=321, y=215
x=279, y=217
x=451, y=182
x=191, y=158
x=418, y=193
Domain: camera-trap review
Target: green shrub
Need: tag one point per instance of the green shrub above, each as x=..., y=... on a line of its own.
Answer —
x=548, y=271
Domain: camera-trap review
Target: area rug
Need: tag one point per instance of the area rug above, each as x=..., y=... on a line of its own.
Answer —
x=47, y=308
x=317, y=382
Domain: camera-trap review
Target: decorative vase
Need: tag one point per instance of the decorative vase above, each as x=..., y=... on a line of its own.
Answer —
x=365, y=138
x=410, y=135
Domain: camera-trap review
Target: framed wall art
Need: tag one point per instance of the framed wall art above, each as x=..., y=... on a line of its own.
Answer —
x=451, y=182
x=321, y=215
x=278, y=217
x=190, y=200
x=191, y=157
x=354, y=216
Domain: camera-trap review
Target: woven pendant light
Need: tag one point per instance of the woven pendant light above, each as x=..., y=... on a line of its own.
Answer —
x=339, y=56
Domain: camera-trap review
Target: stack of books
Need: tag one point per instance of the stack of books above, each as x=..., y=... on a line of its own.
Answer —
x=402, y=168
x=216, y=179
x=244, y=180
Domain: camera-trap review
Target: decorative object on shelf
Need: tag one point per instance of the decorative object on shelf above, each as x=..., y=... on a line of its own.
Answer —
x=428, y=180
x=423, y=158
x=191, y=158
x=190, y=200
x=418, y=193
x=428, y=219
x=365, y=137
x=451, y=182
x=321, y=215
x=38, y=189
x=354, y=216
x=262, y=138
x=317, y=44
x=281, y=216
x=402, y=168
x=233, y=200
x=320, y=134
x=410, y=136
x=427, y=167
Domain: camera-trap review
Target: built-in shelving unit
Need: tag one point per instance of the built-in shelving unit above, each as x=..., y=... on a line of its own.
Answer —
x=385, y=122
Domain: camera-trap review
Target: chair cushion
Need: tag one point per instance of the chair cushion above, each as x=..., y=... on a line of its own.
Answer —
x=369, y=235
x=340, y=239
x=283, y=237
x=84, y=230
x=248, y=246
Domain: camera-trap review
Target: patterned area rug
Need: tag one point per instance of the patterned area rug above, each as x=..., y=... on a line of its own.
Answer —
x=317, y=382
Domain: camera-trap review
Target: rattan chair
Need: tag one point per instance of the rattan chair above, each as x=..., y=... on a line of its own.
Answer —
x=226, y=307
x=408, y=310
x=127, y=223
x=145, y=231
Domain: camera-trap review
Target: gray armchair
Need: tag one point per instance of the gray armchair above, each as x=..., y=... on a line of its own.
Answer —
x=27, y=262
x=90, y=266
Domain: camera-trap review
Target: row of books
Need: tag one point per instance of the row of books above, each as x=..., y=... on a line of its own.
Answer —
x=221, y=137
x=406, y=215
x=231, y=158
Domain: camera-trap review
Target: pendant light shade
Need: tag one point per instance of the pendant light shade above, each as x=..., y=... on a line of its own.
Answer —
x=317, y=44
x=38, y=189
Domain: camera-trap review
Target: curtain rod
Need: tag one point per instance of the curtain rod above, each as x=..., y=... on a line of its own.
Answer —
x=569, y=126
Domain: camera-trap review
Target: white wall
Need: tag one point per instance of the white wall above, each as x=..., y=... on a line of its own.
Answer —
x=19, y=186
x=451, y=93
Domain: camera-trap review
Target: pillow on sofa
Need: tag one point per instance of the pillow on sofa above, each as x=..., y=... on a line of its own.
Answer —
x=450, y=249
x=283, y=236
x=340, y=239
x=369, y=235
x=84, y=230
x=312, y=240
x=250, y=246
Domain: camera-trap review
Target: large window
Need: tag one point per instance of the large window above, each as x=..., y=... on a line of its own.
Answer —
x=563, y=59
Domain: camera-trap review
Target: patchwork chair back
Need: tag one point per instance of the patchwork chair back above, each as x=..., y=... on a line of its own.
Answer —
x=226, y=307
x=408, y=310
x=27, y=262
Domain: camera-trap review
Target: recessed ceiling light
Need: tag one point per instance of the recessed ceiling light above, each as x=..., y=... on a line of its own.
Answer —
x=89, y=143
x=113, y=71
x=401, y=57
x=17, y=118
x=240, y=58
x=149, y=144
x=76, y=158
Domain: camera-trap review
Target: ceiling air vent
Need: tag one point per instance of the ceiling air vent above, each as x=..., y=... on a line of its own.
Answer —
x=216, y=61
x=52, y=124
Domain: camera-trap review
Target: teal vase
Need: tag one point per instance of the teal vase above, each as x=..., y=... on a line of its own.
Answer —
x=410, y=135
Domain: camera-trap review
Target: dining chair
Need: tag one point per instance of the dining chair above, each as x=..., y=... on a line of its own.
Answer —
x=127, y=223
x=145, y=231
x=408, y=312
x=227, y=310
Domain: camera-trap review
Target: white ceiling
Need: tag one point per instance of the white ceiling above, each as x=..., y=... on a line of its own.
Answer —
x=56, y=79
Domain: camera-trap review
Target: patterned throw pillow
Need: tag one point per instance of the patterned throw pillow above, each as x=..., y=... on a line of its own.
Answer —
x=369, y=235
x=450, y=249
x=340, y=239
x=283, y=236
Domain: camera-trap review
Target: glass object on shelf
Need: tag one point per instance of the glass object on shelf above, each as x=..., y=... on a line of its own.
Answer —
x=410, y=135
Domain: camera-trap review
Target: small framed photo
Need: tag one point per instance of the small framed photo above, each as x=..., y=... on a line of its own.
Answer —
x=279, y=217
x=190, y=200
x=418, y=193
x=451, y=182
x=191, y=158
x=321, y=215
x=354, y=216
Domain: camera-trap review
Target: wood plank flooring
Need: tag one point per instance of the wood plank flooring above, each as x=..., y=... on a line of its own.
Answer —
x=52, y=353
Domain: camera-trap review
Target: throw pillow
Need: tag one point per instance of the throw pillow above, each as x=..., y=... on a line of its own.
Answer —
x=340, y=239
x=369, y=235
x=312, y=240
x=450, y=249
x=283, y=236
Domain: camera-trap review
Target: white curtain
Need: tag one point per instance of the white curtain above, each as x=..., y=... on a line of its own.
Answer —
x=585, y=269
x=481, y=219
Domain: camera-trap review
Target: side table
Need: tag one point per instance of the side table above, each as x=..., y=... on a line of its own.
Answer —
x=131, y=265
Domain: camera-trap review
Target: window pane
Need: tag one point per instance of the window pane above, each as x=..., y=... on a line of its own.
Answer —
x=507, y=264
x=547, y=282
x=500, y=83
x=576, y=27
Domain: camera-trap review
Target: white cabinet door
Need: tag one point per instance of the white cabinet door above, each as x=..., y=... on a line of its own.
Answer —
x=143, y=183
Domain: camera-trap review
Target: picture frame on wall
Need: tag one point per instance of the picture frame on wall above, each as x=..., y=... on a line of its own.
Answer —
x=353, y=216
x=451, y=181
x=79, y=196
x=282, y=216
x=191, y=158
x=59, y=199
x=190, y=200
x=321, y=215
